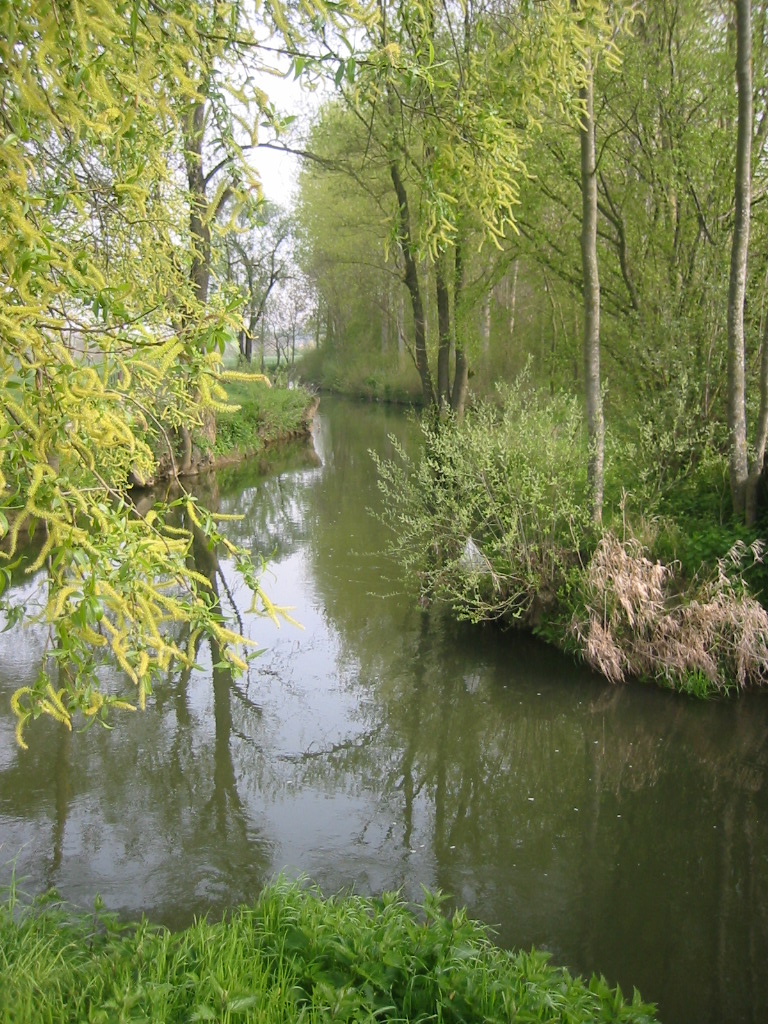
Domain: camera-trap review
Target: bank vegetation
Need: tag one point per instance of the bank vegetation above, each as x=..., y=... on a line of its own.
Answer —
x=293, y=956
x=491, y=516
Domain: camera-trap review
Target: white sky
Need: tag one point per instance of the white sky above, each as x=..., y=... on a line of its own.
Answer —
x=279, y=171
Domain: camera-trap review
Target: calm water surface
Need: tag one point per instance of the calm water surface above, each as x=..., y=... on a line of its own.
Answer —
x=624, y=829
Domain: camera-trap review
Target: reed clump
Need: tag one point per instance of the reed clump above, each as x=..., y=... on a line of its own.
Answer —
x=635, y=619
x=294, y=956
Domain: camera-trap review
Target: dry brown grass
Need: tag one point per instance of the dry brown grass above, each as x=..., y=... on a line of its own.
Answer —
x=635, y=621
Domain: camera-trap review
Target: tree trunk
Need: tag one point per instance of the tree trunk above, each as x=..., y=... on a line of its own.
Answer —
x=400, y=313
x=249, y=339
x=461, y=374
x=200, y=239
x=591, y=286
x=414, y=289
x=444, y=335
x=512, y=299
x=199, y=225
x=553, y=343
x=761, y=437
x=737, y=419
x=485, y=325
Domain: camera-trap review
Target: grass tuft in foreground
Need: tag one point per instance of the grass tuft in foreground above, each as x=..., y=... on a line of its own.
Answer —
x=294, y=956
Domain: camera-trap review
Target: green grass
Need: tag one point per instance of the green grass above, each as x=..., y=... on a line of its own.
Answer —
x=265, y=415
x=292, y=957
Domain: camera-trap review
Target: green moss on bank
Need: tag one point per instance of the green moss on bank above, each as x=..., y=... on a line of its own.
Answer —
x=294, y=956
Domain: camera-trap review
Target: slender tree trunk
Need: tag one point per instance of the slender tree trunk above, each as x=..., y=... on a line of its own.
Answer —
x=553, y=342
x=199, y=225
x=200, y=237
x=400, y=313
x=444, y=335
x=485, y=325
x=512, y=299
x=461, y=374
x=414, y=288
x=594, y=399
x=737, y=418
x=761, y=437
x=249, y=339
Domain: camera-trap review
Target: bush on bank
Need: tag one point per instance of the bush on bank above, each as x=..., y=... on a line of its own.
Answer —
x=490, y=513
x=491, y=517
x=292, y=957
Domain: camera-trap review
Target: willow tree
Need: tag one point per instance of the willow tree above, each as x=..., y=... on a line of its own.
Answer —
x=109, y=346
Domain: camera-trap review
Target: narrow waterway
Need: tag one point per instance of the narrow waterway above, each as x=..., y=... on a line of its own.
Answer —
x=383, y=746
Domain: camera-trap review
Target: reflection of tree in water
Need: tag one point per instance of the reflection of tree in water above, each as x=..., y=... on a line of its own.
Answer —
x=621, y=826
x=168, y=799
x=267, y=493
x=224, y=813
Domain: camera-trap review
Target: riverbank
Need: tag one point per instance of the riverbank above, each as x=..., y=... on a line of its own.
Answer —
x=292, y=956
x=264, y=416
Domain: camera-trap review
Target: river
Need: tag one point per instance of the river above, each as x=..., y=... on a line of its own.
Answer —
x=383, y=746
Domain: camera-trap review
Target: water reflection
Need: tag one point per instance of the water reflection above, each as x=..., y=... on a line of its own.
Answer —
x=385, y=746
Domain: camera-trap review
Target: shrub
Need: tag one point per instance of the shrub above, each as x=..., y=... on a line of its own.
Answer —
x=265, y=414
x=490, y=513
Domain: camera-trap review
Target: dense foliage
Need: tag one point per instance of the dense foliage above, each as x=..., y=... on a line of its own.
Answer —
x=491, y=516
x=263, y=415
x=293, y=956
x=431, y=133
x=665, y=119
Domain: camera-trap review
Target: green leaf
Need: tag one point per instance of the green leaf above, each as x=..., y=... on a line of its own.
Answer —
x=241, y=1004
x=202, y=1012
